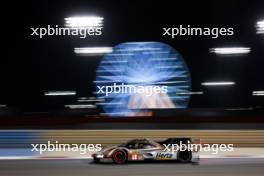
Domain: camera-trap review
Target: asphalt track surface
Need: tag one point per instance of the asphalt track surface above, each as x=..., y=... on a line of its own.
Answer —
x=81, y=167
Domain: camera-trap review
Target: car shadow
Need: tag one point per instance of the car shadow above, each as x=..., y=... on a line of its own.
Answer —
x=146, y=162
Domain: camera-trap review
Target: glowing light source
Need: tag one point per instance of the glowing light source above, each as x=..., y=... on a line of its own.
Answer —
x=145, y=64
x=59, y=93
x=92, y=51
x=260, y=27
x=230, y=50
x=258, y=93
x=224, y=83
x=189, y=93
x=81, y=106
x=2, y=105
x=84, y=22
x=90, y=99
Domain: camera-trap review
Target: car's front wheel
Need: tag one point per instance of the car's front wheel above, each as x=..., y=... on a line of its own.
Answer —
x=119, y=156
x=96, y=160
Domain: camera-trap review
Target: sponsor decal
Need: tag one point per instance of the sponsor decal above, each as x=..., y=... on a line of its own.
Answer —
x=164, y=155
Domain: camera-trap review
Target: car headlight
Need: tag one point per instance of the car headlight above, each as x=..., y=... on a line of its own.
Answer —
x=99, y=156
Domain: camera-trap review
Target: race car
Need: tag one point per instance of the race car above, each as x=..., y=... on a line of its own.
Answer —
x=146, y=149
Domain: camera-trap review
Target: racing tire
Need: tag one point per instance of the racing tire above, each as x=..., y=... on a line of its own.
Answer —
x=185, y=156
x=119, y=156
x=96, y=160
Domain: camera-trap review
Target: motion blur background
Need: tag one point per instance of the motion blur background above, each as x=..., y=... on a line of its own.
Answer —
x=31, y=67
x=47, y=87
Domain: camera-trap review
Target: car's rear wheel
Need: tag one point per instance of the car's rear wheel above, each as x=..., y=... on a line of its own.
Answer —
x=185, y=156
x=119, y=156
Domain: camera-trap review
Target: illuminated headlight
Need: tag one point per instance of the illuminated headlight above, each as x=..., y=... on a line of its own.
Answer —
x=99, y=156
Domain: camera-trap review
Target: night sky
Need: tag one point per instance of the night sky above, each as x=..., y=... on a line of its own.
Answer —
x=30, y=65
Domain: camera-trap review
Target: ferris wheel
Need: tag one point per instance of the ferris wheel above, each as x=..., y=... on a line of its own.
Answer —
x=145, y=65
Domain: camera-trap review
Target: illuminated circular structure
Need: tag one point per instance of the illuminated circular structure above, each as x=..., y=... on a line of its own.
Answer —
x=139, y=76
